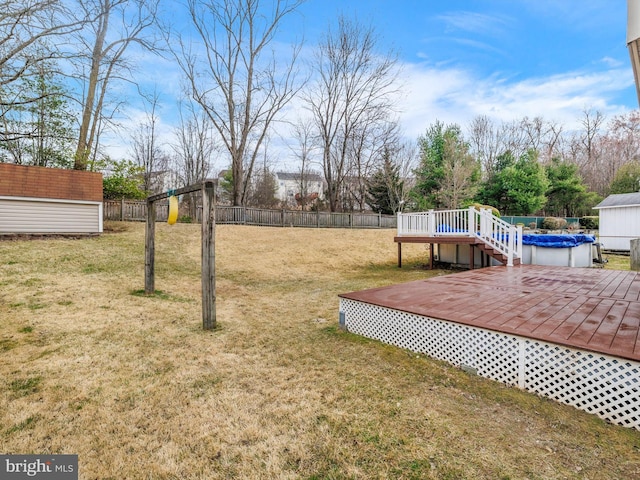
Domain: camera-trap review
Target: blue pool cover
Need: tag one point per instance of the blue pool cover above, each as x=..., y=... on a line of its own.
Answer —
x=565, y=240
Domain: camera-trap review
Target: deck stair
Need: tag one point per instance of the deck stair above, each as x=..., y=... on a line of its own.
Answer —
x=493, y=253
x=476, y=227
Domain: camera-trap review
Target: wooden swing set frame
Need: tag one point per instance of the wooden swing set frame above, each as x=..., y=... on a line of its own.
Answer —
x=208, y=247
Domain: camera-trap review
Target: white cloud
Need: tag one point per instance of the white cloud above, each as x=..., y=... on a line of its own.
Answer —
x=475, y=22
x=457, y=96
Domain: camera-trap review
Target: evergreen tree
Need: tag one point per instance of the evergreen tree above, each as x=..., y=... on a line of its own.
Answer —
x=264, y=189
x=385, y=187
x=430, y=173
x=122, y=179
x=518, y=187
x=493, y=191
x=448, y=175
x=461, y=174
x=566, y=193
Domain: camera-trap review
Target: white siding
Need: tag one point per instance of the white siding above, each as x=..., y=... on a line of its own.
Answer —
x=31, y=215
x=618, y=225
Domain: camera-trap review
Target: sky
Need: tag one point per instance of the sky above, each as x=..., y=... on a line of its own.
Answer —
x=505, y=59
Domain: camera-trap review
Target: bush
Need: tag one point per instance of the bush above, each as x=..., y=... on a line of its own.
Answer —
x=554, y=223
x=590, y=223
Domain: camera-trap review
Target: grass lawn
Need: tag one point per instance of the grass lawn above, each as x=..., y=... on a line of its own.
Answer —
x=137, y=389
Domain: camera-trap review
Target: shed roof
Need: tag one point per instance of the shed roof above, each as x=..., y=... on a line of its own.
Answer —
x=620, y=200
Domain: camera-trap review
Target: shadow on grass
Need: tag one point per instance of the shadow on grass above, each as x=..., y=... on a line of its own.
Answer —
x=159, y=294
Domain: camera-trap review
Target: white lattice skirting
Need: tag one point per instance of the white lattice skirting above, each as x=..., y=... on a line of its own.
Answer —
x=599, y=384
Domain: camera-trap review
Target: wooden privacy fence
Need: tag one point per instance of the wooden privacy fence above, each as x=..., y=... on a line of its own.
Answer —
x=125, y=210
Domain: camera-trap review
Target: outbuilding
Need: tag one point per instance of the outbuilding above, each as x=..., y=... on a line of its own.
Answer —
x=49, y=201
x=619, y=221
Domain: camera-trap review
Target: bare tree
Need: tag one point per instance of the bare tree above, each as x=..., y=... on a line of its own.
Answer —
x=371, y=143
x=303, y=149
x=236, y=79
x=353, y=92
x=118, y=24
x=486, y=142
x=461, y=173
x=592, y=123
x=194, y=148
x=586, y=149
x=615, y=147
x=146, y=149
x=44, y=127
x=542, y=136
x=31, y=32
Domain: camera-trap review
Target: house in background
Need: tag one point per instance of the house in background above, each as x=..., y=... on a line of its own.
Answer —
x=290, y=186
x=619, y=220
x=39, y=200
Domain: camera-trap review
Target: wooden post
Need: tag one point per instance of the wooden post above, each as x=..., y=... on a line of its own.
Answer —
x=431, y=256
x=122, y=209
x=208, y=257
x=634, y=254
x=399, y=254
x=149, y=249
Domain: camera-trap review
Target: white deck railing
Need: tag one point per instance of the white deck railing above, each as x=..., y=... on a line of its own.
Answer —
x=470, y=222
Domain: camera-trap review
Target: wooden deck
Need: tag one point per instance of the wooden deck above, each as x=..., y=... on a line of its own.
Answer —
x=485, y=250
x=591, y=309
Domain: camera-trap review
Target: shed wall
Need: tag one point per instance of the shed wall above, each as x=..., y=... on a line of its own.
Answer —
x=44, y=216
x=618, y=226
x=38, y=200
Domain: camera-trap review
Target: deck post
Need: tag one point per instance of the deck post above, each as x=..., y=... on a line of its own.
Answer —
x=472, y=261
x=431, y=223
x=512, y=234
x=472, y=222
x=431, y=256
x=399, y=254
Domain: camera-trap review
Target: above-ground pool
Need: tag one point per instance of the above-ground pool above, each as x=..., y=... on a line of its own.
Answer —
x=561, y=250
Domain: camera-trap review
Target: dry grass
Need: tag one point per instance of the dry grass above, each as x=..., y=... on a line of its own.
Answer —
x=135, y=387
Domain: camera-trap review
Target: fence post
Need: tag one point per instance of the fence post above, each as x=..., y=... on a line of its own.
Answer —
x=122, y=209
x=282, y=217
x=318, y=217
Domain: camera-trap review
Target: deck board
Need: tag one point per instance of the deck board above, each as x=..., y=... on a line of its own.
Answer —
x=592, y=309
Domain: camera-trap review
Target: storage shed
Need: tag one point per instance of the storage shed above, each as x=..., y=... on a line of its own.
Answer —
x=619, y=220
x=38, y=200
